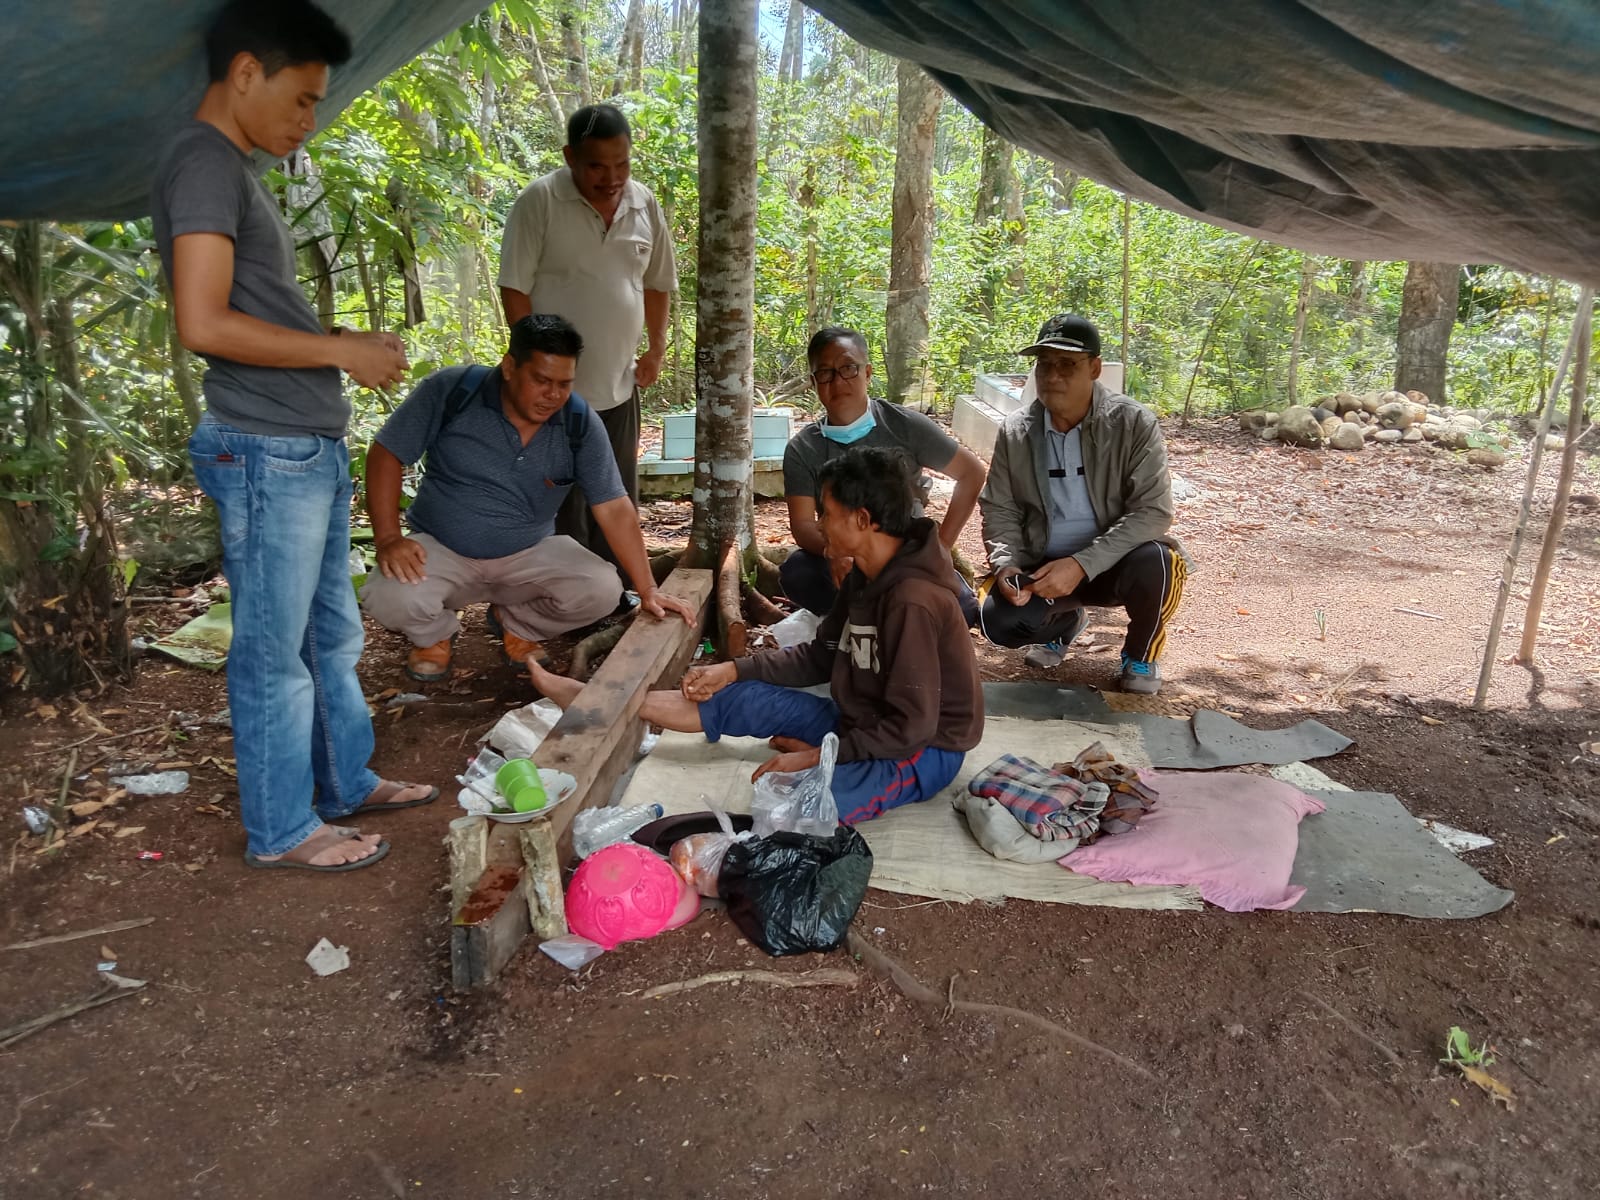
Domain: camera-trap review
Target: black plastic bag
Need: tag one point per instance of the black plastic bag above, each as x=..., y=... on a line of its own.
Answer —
x=791, y=894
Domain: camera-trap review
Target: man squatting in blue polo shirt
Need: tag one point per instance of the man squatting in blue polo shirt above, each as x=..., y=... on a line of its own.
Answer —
x=502, y=454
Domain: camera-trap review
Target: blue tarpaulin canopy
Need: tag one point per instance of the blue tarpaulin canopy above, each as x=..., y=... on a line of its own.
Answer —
x=1454, y=130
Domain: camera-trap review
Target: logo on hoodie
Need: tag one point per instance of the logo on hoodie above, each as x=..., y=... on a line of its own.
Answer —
x=861, y=644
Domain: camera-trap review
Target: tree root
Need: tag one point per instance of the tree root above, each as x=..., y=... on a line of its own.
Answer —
x=734, y=634
x=920, y=993
x=664, y=564
x=761, y=609
x=597, y=643
x=824, y=977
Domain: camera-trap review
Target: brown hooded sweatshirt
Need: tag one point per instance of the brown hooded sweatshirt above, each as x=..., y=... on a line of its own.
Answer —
x=897, y=656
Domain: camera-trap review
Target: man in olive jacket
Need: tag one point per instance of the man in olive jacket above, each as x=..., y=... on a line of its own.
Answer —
x=1076, y=512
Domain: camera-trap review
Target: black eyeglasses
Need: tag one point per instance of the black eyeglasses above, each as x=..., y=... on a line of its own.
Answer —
x=828, y=374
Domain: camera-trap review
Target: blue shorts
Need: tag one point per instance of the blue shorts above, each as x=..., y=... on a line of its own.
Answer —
x=861, y=789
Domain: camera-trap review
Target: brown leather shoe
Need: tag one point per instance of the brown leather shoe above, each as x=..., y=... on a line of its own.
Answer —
x=518, y=649
x=429, y=664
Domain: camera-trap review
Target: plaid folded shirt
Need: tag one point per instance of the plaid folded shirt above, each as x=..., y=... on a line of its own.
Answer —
x=1051, y=806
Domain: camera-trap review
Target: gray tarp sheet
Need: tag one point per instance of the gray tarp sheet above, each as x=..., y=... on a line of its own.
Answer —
x=1463, y=131
x=1466, y=131
x=91, y=89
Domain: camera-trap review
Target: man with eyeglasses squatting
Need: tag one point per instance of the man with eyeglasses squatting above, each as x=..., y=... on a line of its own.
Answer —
x=841, y=370
x=1076, y=512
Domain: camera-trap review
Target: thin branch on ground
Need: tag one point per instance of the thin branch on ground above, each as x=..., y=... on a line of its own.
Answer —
x=920, y=993
x=116, y=927
x=1382, y=1047
x=823, y=977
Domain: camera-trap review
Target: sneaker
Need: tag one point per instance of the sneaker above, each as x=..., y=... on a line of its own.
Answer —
x=428, y=664
x=518, y=649
x=1140, y=677
x=1046, y=656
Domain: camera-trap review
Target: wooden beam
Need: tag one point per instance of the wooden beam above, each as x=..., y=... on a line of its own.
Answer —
x=595, y=742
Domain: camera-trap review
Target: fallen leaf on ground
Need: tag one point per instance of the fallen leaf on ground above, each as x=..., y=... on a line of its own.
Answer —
x=194, y=868
x=1549, y=841
x=80, y=830
x=1243, y=612
x=129, y=830
x=106, y=952
x=1589, y=747
x=1427, y=720
x=1497, y=1091
x=213, y=810
x=86, y=808
x=45, y=712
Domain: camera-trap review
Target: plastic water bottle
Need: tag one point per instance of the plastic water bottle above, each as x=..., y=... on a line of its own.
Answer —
x=595, y=828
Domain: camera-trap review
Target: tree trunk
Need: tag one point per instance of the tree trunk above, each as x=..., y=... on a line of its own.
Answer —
x=1067, y=181
x=570, y=18
x=547, y=90
x=791, y=63
x=1127, y=271
x=1427, y=315
x=808, y=225
x=1302, y=309
x=725, y=319
x=994, y=171
x=405, y=256
x=906, y=318
x=992, y=203
x=630, y=51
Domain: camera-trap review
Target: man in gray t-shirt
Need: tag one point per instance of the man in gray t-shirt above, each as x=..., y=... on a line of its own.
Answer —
x=270, y=449
x=840, y=369
x=504, y=446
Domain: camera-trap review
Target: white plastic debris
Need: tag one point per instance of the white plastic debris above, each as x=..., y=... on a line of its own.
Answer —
x=1457, y=841
x=572, y=951
x=326, y=958
x=162, y=783
x=405, y=698
x=520, y=732
x=796, y=629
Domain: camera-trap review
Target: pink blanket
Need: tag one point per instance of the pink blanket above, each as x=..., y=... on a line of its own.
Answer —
x=1232, y=836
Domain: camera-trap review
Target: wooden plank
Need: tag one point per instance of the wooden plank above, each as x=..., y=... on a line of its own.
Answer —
x=595, y=741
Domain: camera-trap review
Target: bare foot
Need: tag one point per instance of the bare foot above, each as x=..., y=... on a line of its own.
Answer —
x=329, y=846
x=559, y=688
x=788, y=745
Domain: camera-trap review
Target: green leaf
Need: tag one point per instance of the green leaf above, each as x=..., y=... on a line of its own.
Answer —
x=58, y=548
x=7, y=643
x=130, y=568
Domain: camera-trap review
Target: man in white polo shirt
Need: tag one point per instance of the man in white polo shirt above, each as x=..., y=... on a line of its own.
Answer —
x=590, y=243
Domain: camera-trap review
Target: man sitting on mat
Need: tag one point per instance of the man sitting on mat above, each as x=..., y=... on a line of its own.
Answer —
x=504, y=446
x=904, y=700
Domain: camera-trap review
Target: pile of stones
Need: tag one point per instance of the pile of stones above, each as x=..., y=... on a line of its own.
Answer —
x=1349, y=422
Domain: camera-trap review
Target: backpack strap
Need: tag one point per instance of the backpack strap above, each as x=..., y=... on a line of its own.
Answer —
x=574, y=414
x=464, y=393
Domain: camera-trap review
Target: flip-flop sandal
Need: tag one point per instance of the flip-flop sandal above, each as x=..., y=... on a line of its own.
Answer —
x=378, y=802
x=267, y=864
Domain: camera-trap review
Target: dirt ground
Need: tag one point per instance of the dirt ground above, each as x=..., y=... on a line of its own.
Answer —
x=1292, y=1055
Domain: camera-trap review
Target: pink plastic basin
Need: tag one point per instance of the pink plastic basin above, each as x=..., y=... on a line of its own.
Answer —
x=625, y=892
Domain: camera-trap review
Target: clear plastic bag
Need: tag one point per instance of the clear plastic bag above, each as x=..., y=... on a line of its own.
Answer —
x=698, y=857
x=801, y=802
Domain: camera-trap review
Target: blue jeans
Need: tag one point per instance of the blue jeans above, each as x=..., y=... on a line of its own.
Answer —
x=861, y=789
x=301, y=731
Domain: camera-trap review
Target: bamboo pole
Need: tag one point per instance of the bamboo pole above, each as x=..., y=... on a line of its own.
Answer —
x=1558, y=510
x=1581, y=320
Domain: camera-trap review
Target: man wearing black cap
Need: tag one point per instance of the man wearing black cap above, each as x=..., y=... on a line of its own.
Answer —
x=1076, y=512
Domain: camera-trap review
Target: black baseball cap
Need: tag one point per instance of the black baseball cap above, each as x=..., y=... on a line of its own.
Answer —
x=1066, y=331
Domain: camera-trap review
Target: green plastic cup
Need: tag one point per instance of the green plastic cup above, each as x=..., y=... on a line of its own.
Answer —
x=519, y=782
x=527, y=796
